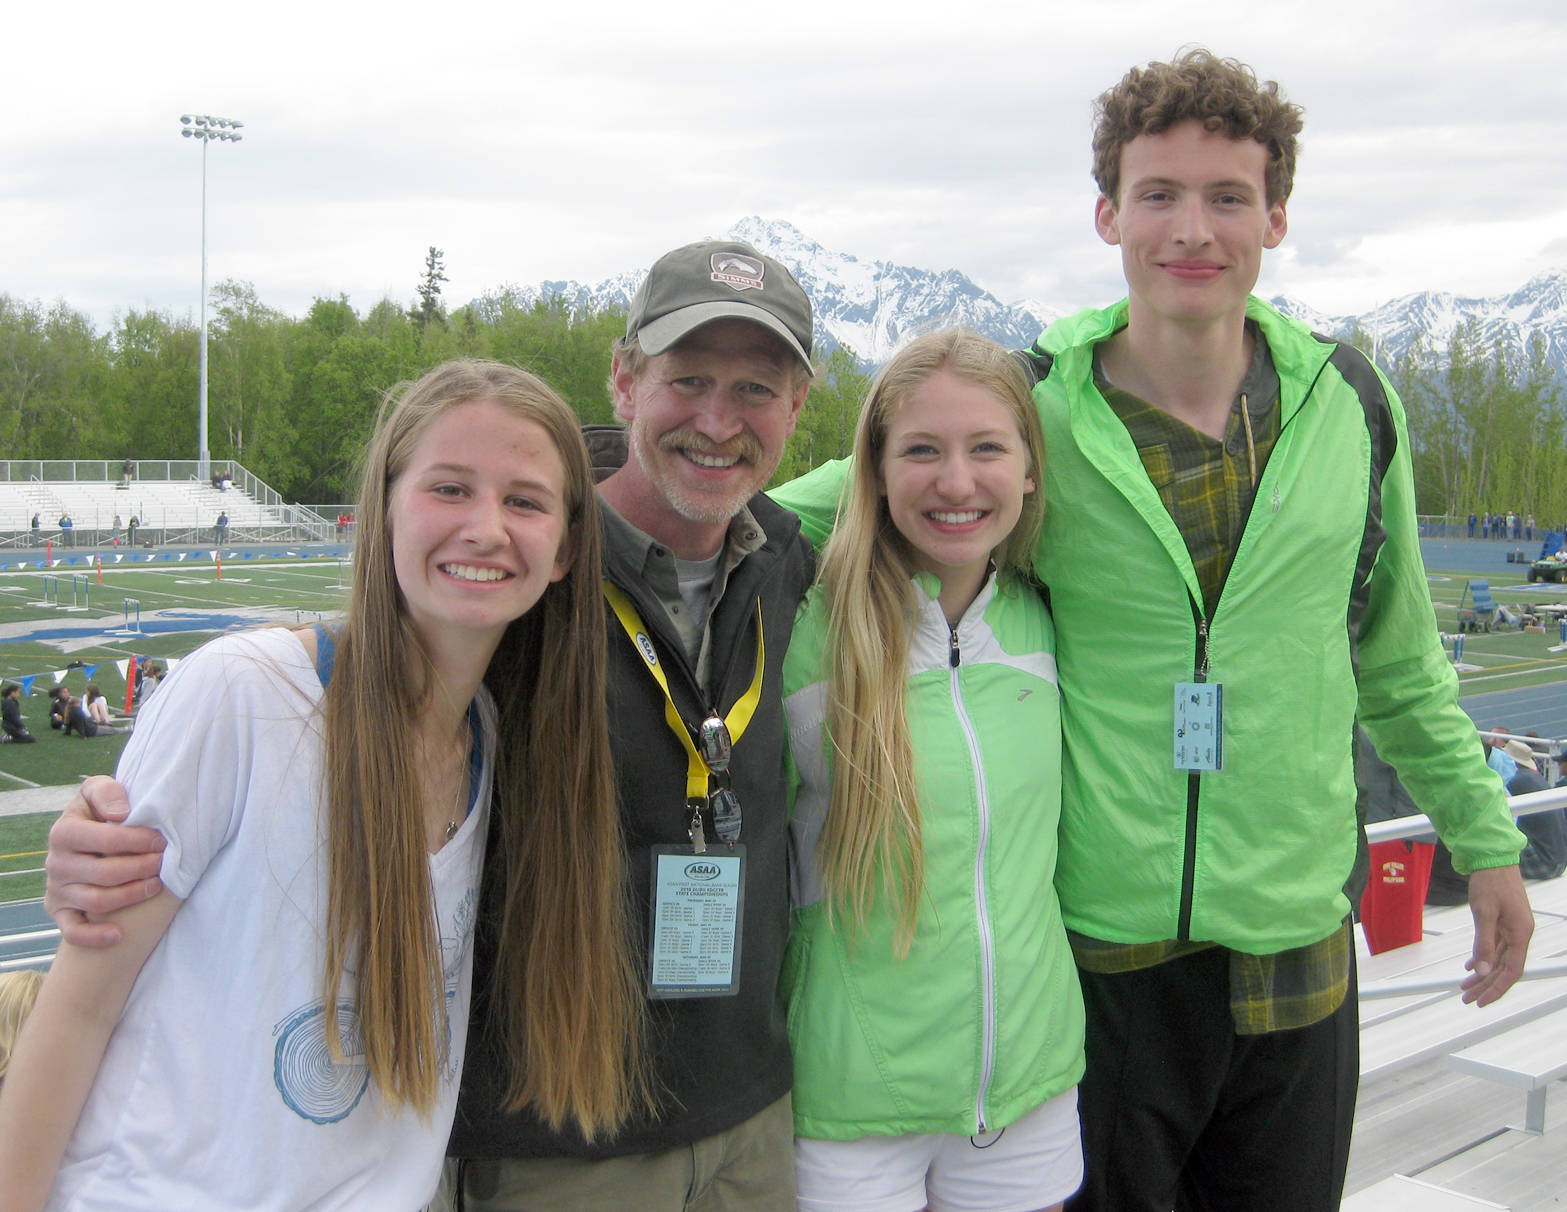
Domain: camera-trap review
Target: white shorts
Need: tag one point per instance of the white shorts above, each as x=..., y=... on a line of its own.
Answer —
x=1033, y=1163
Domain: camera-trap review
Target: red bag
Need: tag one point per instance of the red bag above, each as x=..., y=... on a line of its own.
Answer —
x=1392, y=912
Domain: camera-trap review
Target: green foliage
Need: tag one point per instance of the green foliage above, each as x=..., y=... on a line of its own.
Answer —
x=825, y=429
x=291, y=399
x=1486, y=426
x=155, y=386
x=53, y=374
x=571, y=353
x=430, y=310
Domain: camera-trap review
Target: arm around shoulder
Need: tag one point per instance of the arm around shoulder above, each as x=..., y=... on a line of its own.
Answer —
x=814, y=498
x=96, y=865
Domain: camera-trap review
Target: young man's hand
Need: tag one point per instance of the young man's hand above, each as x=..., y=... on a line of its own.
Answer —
x=1503, y=925
x=96, y=865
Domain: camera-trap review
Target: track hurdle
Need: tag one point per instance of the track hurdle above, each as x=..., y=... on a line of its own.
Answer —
x=1458, y=649
x=52, y=592
x=131, y=604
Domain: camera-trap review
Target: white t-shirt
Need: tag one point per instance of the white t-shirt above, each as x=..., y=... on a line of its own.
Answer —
x=217, y=1090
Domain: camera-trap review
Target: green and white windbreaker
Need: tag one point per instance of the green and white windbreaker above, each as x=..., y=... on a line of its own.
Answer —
x=982, y=1020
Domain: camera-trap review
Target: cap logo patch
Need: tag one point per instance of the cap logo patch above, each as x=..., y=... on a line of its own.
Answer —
x=737, y=271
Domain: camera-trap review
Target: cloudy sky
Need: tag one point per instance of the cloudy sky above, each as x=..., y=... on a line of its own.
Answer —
x=563, y=139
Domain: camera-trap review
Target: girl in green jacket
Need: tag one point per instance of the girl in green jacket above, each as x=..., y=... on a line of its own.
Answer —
x=933, y=1004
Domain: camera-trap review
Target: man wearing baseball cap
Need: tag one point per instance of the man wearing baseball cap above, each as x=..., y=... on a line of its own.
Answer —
x=703, y=576
x=706, y=576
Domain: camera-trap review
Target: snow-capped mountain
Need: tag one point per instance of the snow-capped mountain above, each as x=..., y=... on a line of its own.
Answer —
x=872, y=307
x=1540, y=305
x=876, y=307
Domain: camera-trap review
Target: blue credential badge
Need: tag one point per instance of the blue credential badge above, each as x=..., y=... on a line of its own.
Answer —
x=698, y=908
x=1199, y=726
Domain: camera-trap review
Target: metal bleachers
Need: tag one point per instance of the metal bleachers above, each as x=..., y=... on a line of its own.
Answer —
x=170, y=503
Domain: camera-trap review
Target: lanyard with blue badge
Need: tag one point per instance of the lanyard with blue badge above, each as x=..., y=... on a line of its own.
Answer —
x=698, y=892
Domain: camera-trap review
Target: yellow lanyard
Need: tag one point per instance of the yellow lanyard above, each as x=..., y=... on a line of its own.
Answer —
x=739, y=715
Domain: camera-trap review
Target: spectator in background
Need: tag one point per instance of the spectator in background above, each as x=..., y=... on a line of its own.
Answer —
x=1496, y=755
x=11, y=717
x=115, y=533
x=127, y=469
x=1544, y=856
x=34, y=528
x=1528, y=527
x=67, y=538
x=59, y=696
x=83, y=725
x=97, y=705
x=1472, y=522
x=130, y=530
x=151, y=678
x=221, y=530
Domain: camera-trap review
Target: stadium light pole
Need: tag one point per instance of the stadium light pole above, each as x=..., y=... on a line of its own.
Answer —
x=206, y=128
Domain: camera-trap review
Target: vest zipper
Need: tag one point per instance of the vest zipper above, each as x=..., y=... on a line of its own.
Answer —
x=1183, y=928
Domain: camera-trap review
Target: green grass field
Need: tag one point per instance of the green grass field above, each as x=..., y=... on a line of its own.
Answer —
x=23, y=840
x=1508, y=658
x=258, y=590
x=280, y=589
x=289, y=590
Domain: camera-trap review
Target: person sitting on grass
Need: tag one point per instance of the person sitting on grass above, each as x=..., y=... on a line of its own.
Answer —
x=97, y=705
x=77, y=719
x=11, y=714
x=59, y=696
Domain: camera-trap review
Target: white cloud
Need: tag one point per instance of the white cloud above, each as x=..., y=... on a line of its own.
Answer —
x=576, y=141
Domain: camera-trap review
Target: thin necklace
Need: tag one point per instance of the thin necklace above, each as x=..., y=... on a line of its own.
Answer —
x=459, y=809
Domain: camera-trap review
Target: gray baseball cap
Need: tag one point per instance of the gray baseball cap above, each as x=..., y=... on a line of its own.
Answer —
x=718, y=280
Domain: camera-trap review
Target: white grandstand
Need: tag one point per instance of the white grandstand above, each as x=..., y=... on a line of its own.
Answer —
x=171, y=503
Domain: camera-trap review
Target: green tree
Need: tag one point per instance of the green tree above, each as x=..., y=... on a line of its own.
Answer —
x=54, y=371
x=341, y=371
x=250, y=383
x=825, y=429
x=156, y=384
x=571, y=353
x=430, y=310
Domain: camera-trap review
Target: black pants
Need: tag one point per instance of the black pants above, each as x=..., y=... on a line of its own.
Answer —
x=1181, y=1112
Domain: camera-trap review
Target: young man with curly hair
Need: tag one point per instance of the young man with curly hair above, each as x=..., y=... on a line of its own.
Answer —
x=1258, y=478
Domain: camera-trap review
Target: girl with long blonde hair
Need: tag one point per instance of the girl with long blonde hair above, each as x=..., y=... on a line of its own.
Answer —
x=283, y=1025
x=933, y=1005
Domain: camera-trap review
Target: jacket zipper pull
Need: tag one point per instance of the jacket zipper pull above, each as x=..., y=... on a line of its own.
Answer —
x=952, y=646
x=1202, y=650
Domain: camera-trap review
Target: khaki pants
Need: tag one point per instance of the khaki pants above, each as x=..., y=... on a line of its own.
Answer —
x=748, y=1168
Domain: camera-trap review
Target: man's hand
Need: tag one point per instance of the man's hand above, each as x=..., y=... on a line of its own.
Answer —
x=97, y=865
x=1503, y=924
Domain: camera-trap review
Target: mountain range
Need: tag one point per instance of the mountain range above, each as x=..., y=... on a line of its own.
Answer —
x=875, y=307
